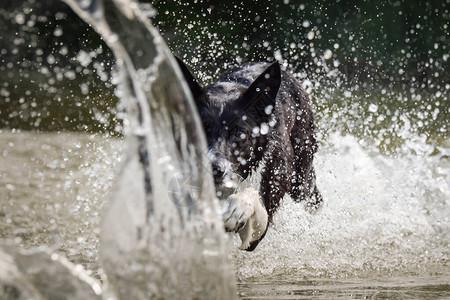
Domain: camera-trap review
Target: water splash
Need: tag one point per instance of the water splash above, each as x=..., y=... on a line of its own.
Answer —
x=41, y=274
x=383, y=165
x=150, y=244
x=383, y=216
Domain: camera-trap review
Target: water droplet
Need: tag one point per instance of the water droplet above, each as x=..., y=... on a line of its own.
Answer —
x=264, y=129
x=328, y=54
x=58, y=31
x=373, y=108
x=84, y=58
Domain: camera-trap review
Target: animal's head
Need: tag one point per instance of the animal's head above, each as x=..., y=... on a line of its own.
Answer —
x=237, y=119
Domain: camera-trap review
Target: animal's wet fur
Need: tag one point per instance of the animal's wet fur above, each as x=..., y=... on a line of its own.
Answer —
x=248, y=97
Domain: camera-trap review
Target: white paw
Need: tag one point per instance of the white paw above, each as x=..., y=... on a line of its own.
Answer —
x=246, y=215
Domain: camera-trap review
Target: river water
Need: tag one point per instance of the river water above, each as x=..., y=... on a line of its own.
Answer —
x=383, y=168
x=382, y=233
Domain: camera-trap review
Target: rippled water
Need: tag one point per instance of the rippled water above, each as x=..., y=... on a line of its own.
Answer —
x=293, y=287
x=52, y=187
x=383, y=232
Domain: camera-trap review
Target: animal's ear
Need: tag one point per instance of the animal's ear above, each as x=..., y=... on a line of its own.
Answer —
x=262, y=92
x=195, y=88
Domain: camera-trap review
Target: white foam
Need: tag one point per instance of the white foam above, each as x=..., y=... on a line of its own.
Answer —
x=381, y=215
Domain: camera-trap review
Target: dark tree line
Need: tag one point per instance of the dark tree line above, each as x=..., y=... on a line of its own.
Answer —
x=55, y=72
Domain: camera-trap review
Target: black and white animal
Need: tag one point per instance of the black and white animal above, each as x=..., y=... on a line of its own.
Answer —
x=259, y=128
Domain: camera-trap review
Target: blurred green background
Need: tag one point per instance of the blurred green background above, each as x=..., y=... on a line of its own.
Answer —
x=373, y=68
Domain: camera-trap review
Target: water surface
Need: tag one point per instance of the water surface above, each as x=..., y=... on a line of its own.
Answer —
x=383, y=232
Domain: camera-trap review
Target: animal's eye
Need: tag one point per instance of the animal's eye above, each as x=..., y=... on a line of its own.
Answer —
x=240, y=134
